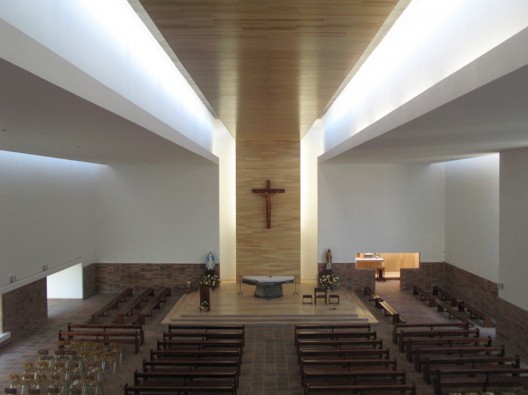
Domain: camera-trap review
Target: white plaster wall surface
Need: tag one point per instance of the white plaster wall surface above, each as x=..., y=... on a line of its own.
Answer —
x=46, y=208
x=513, y=271
x=472, y=215
x=381, y=208
x=157, y=214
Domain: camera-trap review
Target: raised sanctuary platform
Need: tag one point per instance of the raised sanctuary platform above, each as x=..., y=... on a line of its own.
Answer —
x=227, y=307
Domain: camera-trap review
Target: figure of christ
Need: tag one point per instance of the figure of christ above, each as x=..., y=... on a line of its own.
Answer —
x=267, y=193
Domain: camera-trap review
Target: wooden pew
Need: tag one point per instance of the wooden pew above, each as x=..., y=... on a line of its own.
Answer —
x=175, y=377
x=482, y=378
x=191, y=364
x=389, y=311
x=445, y=296
x=362, y=388
x=199, y=344
x=397, y=328
x=437, y=333
x=106, y=337
x=154, y=304
x=454, y=352
x=205, y=332
x=109, y=327
x=182, y=389
x=339, y=343
x=112, y=304
x=302, y=329
x=194, y=355
x=414, y=344
x=134, y=304
x=325, y=365
x=367, y=291
x=453, y=312
x=358, y=353
x=476, y=314
x=430, y=366
x=355, y=377
x=424, y=295
x=317, y=334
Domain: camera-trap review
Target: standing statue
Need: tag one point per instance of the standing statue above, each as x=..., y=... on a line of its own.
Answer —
x=328, y=266
x=210, y=261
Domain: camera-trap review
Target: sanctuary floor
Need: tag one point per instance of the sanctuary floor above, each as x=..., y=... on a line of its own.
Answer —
x=270, y=361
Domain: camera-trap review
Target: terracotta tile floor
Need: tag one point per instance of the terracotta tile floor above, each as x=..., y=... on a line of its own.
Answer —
x=269, y=366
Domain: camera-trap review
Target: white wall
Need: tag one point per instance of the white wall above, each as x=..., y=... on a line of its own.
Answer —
x=46, y=214
x=381, y=208
x=472, y=215
x=157, y=213
x=514, y=227
x=66, y=284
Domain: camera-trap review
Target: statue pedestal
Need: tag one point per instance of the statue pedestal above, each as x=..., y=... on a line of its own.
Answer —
x=205, y=294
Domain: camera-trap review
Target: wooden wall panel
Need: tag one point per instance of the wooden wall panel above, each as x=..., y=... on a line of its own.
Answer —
x=263, y=251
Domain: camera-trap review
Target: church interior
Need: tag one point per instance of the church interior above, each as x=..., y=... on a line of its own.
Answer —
x=215, y=162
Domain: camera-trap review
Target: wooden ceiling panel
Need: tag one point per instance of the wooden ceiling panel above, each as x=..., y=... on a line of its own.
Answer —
x=268, y=68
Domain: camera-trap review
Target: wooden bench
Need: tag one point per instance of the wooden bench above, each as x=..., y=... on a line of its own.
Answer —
x=173, y=328
x=453, y=312
x=454, y=352
x=202, y=331
x=134, y=304
x=153, y=305
x=476, y=314
x=437, y=333
x=355, y=377
x=424, y=295
x=414, y=344
x=389, y=311
x=359, y=353
x=481, y=378
x=192, y=364
x=445, y=296
x=430, y=366
x=199, y=344
x=181, y=389
x=184, y=377
x=301, y=329
x=204, y=354
x=326, y=365
x=422, y=325
x=111, y=305
x=105, y=337
x=109, y=327
x=367, y=291
x=362, y=388
x=335, y=335
x=339, y=343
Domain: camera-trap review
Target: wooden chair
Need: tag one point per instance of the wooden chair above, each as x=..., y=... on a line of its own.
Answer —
x=320, y=293
x=11, y=391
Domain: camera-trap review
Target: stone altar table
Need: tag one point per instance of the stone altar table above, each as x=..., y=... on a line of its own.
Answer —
x=268, y=287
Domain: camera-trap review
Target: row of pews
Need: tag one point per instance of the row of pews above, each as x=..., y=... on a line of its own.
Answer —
x=347, y=358
x=455, y=307
x=145, y=303
x=192, y=359
x=454, y=357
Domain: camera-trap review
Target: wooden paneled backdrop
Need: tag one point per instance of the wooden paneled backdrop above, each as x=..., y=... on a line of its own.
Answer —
x=262, y=251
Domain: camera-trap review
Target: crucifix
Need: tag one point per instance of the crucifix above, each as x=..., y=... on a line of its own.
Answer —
x=267, y=193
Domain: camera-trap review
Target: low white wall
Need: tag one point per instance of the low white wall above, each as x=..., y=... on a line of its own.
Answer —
x=157, y=214
x=46, y=214
x=472, y=215
x=514, y=227
x=66, y=284
x=381, y=208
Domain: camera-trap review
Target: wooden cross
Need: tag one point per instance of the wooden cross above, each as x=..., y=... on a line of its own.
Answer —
x=267, y=192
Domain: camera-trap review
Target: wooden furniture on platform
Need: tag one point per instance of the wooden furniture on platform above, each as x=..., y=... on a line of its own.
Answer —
x=268, y=287
x=372, y=263
x=320, y=293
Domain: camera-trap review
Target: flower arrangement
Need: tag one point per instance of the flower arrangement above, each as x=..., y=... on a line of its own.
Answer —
x=210, y=279
x=329, y=280
x=204, y=305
